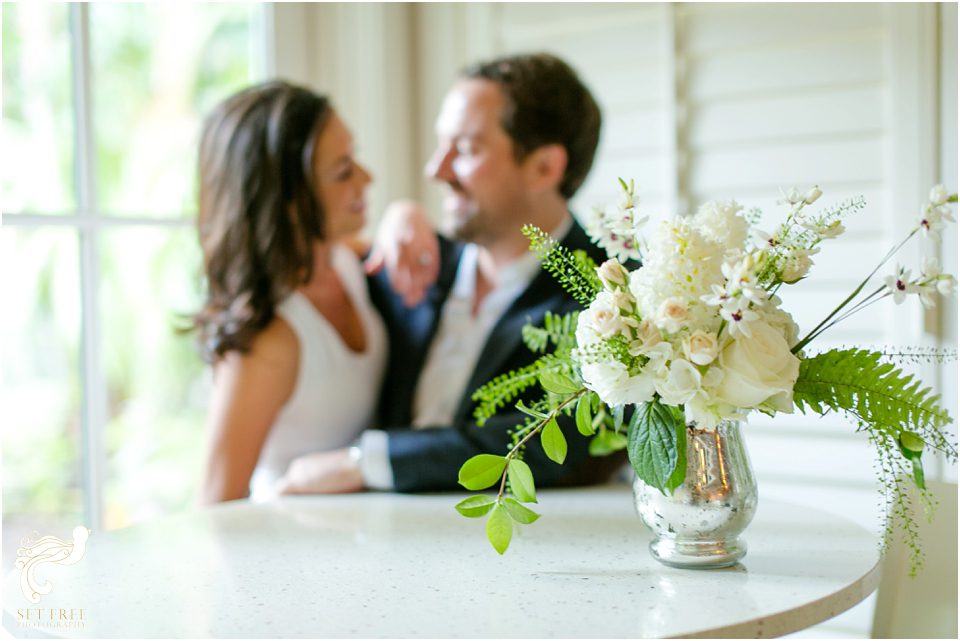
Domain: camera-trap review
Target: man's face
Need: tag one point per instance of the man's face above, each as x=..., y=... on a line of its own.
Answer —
x=474, y=159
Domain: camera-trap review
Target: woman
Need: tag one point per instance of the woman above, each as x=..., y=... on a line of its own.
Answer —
x=298, y=352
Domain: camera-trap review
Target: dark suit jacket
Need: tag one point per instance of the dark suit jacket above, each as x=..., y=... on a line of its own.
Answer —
x=430, y=459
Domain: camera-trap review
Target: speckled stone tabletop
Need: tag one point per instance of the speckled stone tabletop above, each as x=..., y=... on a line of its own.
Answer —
x=391, y=565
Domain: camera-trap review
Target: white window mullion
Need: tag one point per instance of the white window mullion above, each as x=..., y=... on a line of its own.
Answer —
x=93, y=456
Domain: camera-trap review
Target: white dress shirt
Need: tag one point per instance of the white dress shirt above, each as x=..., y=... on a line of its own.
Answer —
x=454, y=351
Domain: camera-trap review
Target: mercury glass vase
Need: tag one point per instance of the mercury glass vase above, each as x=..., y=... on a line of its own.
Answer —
x=700, y=523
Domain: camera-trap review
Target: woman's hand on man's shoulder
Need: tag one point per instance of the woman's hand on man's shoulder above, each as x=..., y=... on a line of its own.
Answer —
x=406, y=245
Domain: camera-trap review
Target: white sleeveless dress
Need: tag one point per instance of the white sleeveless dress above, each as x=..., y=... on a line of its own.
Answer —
x=336, y=392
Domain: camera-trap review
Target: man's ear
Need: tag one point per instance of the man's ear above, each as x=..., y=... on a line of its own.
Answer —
x=545, y=167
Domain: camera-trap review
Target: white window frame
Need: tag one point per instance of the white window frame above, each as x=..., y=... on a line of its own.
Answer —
x=90, y=221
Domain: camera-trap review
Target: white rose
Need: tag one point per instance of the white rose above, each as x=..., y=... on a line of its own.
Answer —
x=680, y=384
x=671, y=314
x=648, y=335
x=600, y=321
x=781, y=321
x=606, y=323
x=700, y=347
x=612, y=383
x=613, y=275
x=759, y=370
x=939, y=195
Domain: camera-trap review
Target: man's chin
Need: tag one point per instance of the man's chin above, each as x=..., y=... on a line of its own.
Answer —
x=465, y=226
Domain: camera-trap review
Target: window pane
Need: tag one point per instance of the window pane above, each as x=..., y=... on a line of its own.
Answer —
x=40, y=384
x=38, y=130
x=158, y=68
x=150, y=283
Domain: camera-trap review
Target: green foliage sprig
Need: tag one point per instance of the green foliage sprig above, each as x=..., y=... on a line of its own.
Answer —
x=883, y=401
x=558, y=331
x=484, y=470
x=575, y=271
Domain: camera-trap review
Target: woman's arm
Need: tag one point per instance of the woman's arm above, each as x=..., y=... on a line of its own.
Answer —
x=249, y=391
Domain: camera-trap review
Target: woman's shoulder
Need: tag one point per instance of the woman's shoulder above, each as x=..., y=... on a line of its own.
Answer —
x=276, y=345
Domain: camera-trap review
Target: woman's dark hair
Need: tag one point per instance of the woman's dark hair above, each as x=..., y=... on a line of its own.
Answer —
x=259, y=214
x=546, y=103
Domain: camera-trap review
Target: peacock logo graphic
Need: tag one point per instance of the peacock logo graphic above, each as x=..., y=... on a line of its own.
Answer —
x=48, y=549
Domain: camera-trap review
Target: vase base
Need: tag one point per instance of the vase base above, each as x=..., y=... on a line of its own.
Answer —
x=697, y=555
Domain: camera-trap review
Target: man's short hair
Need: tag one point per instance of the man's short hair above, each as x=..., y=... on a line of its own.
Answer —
x=546, y=103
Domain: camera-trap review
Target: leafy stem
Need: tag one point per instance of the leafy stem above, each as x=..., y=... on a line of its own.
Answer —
x=551, y=416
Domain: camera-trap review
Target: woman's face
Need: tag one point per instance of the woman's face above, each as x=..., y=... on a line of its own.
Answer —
x=341, y=180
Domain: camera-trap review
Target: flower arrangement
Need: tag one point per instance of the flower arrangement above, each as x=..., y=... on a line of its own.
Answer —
x=685, y=327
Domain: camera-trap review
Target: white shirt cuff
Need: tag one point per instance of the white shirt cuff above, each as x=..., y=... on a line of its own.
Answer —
x=375, y=460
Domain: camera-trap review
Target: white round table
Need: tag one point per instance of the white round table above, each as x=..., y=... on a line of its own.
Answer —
x=392, y=565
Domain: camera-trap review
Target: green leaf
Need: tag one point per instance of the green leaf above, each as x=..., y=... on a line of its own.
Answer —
x=607, y=442
x=529, y=411
x=918, y=472
x=476, y=506
x=554, y=444
x=558, y=383
x=520, y=513
x=584, y=418
x=499, y=529
x=911, y=441
x=652, y=443
x=680, y=470
x=617, y=417
x=482, y=471
x=521, y=481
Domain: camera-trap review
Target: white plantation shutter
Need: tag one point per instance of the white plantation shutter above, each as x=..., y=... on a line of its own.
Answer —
x=623, y=53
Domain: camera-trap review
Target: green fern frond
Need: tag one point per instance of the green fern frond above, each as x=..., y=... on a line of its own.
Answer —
x=575, y=271
x=558, y=331
x=505, y=388
x=875, y=393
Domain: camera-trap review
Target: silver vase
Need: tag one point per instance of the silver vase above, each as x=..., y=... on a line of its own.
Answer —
x=699, y=524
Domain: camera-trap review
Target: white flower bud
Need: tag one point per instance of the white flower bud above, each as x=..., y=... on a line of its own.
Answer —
x=939, y=195
x=791, y=196
x=797, y=267
x=700, y=347
x=946, y=285
x=648, y=335
x=832, y=230
x=612, y=274
x=812, y=195
x=671, y=314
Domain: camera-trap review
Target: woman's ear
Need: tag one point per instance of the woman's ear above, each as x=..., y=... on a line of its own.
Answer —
x=545, y=167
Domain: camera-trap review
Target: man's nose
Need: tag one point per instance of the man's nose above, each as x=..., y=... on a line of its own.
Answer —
x=439, y=165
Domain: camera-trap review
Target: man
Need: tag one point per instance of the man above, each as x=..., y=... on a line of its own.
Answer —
x=516, y=139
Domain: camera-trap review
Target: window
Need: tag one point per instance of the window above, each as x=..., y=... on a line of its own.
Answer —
x=103, y=399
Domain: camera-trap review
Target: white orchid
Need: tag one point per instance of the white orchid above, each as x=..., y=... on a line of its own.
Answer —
x=899, y=285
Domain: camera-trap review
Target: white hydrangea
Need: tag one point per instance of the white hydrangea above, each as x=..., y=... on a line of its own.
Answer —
x=679, y=264
x=721, y=222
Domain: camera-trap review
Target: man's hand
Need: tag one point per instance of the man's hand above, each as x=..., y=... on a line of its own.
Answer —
x=406, y=246
x=322, y=473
